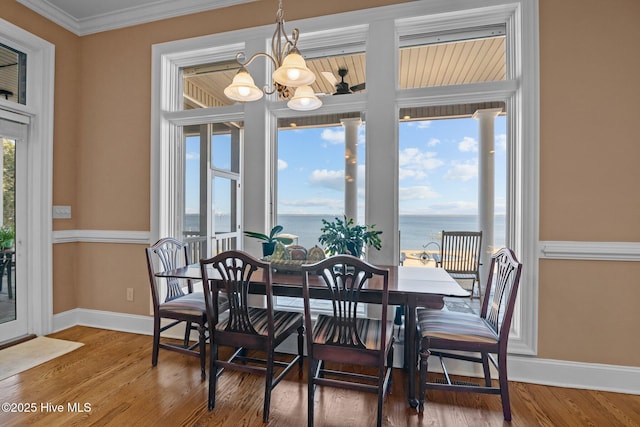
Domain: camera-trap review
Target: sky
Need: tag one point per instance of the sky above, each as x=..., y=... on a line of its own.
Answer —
x=438, y=169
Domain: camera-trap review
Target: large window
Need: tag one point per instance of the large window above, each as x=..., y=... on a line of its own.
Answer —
x=439, y=179
x=491, y=48
x=320, y=174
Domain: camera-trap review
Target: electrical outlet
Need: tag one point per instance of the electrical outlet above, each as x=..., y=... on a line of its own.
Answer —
x=129, y=294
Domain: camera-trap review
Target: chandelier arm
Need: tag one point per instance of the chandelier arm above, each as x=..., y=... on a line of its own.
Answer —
x=254, y=56
x=241, y=55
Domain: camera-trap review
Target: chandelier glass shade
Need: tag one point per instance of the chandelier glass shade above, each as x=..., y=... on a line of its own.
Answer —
x=291, y=76
x=304, y=99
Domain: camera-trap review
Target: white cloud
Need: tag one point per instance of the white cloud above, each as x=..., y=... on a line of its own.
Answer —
x=405, y=173
x=462, y=171
x=433, y=142
x=192, y=156
x=468, y=144
x=424, y=124
x=501, y=142
x=282, y=164
x=304, y=206
x=333, y=136
x=414, y=163
x=418, y=192
x=455, y=208
x=333, y=179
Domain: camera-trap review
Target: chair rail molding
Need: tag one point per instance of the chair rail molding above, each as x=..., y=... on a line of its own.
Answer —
x=592, y=251
x=101, y=236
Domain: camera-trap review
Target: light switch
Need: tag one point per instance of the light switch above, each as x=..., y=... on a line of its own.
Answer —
x=61, y=212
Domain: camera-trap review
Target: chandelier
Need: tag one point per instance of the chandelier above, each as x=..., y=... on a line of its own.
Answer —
x=291, y=78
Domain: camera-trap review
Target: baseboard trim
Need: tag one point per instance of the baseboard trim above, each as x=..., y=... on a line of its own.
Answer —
x=558, y=373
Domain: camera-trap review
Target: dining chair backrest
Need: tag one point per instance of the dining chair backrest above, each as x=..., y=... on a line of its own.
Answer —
x=501, y=292
x=170, y=254
x=345, y=277
x=236, y=271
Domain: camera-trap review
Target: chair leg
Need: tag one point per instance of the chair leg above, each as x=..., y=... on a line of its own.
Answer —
x=203, y=351
x=300, y=350
x=504, y=385
x=187, y=334
x=390, y=366
x=213, y=374
x=311, y=387
x=487, y=370
x=156, y=341
x=267, y=387
x=424, y=361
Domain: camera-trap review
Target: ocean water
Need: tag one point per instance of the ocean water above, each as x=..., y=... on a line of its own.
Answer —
x=416, y=231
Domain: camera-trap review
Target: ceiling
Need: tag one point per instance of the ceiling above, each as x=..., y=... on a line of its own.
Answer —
x=84, y=17
x=470, y=56
x=438, y=64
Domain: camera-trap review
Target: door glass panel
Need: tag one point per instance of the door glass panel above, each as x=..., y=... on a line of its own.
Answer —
x=211, y=186
x=13, y=75
x=7, y=252
x=224, y=201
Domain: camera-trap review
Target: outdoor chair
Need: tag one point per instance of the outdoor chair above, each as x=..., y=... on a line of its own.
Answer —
x=343, y=339
x=460, y=256
x=247, y=328
x=442, y=332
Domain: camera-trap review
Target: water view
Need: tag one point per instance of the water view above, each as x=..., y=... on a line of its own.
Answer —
x=416, y=231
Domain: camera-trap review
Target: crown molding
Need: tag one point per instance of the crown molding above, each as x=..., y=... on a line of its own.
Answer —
x=134, y=15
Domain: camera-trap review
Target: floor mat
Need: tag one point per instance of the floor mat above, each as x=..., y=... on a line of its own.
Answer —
x=26, y=355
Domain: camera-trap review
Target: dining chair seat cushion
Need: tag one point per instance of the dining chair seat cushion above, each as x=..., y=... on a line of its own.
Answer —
x=282, y=321
x=452, y=325
x=368, y=330
x=192, y=303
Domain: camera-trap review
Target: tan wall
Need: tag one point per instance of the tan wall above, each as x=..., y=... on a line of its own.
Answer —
x=589, y=151
x=589, y=93
x=65, y=138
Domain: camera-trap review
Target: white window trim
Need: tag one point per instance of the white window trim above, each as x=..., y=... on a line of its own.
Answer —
x=521, y=94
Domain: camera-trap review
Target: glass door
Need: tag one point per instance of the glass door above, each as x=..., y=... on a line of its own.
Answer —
x=13, y=297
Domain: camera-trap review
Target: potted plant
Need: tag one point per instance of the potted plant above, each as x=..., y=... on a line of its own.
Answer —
x=7, y=236
x=343, y=236
x=269, y=241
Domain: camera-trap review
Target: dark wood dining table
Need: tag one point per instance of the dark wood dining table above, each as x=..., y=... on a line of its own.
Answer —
x=410, y=287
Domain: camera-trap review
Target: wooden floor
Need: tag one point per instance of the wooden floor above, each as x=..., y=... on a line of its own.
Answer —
x=113, y=376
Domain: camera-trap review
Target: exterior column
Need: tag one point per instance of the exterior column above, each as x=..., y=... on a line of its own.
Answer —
x=486, y=185
x=351, y=167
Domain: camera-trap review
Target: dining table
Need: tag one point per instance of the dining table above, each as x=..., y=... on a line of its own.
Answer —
x=410, y=287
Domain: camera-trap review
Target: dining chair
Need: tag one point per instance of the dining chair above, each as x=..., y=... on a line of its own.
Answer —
x=460, y=255
x=442, y=332
x=343, y=339
x=170, y=301
x=246, y=327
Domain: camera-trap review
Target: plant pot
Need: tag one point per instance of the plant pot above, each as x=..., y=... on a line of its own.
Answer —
x=354, y=250
x=268, y=248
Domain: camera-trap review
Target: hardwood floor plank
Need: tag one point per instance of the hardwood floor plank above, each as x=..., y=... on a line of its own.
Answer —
x=112, y=373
